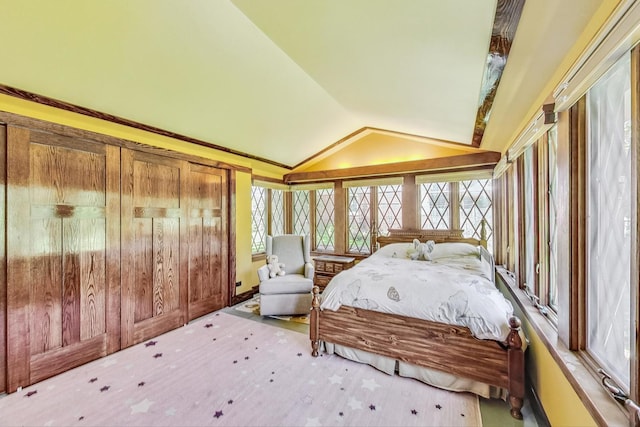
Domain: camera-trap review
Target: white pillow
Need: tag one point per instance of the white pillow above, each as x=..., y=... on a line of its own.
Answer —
x=449, y=249
x=394, y=250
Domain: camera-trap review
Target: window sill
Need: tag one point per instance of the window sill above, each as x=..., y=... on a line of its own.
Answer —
x=258, y=257
x=602, y=407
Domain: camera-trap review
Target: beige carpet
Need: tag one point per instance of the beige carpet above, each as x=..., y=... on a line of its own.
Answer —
x=226, y=370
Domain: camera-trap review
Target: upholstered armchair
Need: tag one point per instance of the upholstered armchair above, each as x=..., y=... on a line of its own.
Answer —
x=291, y=293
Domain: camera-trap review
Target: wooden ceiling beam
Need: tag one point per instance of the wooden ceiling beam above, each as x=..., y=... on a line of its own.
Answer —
x=451, y=163
x=505, y=24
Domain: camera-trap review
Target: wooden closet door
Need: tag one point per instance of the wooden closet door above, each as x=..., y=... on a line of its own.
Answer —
x=208, y=240
x=154, y=253
x=63, y=269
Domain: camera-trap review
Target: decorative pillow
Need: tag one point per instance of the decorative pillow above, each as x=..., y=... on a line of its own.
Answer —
x=449, y=249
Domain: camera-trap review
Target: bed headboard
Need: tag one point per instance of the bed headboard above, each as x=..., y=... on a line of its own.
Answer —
x=438, y=236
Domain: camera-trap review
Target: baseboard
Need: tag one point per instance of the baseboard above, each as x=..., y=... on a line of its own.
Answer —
x=536, y=405
x=244, y=296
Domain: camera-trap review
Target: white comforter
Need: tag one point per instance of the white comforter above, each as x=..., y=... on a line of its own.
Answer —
x=457, y=290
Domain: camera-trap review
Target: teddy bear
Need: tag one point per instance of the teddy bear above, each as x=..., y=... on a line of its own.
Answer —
x=420, y=251
x=275, y=268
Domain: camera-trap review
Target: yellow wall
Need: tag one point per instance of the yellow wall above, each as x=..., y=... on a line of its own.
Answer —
x=382, y=148
x=245, y=270
x=561, y=404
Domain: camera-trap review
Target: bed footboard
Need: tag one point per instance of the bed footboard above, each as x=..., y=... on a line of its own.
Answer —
x=515, y=360
x=314, y=322
x=434, y=345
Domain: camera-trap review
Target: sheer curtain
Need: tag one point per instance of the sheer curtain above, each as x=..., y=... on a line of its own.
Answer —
x=609, y=221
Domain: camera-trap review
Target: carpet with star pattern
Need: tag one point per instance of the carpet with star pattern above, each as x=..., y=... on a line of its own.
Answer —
x=223, y=370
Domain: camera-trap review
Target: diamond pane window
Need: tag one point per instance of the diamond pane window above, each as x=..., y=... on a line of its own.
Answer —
x=609, y=212
x=359, y=219
x=324, y=219
x=529, y=214
x=475, y=205
x=389, y=208
x=258, y=219
x=434, y=206
x=277, y=212
x=301, y=212
x=553, y=208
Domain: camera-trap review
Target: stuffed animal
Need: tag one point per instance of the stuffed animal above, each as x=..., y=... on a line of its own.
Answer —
x=275, y=268
x=420, y=251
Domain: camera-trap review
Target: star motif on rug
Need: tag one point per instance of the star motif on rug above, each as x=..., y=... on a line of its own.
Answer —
x=414, y=412
x=31, y=393
x=141, y=407
x=438, y=406
x=141, y=383
x=105, y=388
x=218, y=414
x=150, y=343
x=372, y=407
x=313, y=422
x=155, y=356
x=93, y=380
x=208, y=325
x=354, y=403
x=370, y=384
x=335, y=379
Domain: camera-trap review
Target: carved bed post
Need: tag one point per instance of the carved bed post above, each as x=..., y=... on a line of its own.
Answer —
x=483, y=233
x=314, y=322
x=515, y=357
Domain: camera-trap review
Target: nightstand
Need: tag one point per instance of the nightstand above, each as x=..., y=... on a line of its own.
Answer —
x=327, y=266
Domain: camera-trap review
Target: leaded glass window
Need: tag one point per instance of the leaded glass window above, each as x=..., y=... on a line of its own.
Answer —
x=324, y=219
x=609, y=210
x=277, y=212
x=359, y=219
x=301, y=212
x=530, y=212
x=434, y=206
x=475, y=206
x=389, y=208
x=552, y=142
x=258, y=219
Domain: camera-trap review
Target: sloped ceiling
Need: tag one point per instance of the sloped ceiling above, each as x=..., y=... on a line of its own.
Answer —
x=285, y=79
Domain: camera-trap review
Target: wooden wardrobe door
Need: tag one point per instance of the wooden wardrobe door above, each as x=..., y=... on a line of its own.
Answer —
x=63, y=270
x=154, y=254
x=208, y=240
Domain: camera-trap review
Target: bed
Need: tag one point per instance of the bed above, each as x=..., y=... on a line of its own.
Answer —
x=441, y=348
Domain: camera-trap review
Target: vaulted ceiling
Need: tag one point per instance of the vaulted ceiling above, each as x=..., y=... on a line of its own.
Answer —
x=285, y=79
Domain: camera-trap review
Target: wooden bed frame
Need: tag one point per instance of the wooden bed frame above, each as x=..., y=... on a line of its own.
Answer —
x=448, y=348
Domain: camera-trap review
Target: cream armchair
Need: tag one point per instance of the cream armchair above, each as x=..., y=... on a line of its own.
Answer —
x=291, y=293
